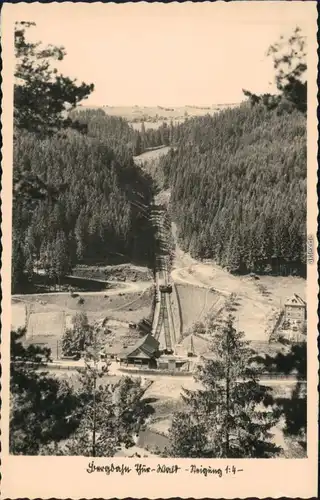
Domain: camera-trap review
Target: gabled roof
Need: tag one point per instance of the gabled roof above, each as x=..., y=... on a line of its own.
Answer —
x=201, y=345
x=147, y=345
x=295, y=300
x=138, y=354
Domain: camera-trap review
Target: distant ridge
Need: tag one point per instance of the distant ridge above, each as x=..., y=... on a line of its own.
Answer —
x=159, y=113
x=163, y=108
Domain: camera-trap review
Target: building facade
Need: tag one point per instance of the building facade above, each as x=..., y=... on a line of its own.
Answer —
x=295, y=310
x=144, y=352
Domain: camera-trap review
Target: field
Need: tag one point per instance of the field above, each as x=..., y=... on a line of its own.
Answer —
x=152, y=114
x=257, y=300
x=196, y=303
x=48, y=315
x=154, y=124
x=150, y=156
x=116, y=272
x=18, y=315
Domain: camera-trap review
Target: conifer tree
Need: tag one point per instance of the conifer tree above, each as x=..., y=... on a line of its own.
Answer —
x=18, y=262
x=41, y=95
x=290, y=63
x=76, y=339
x=110, y=415
x=227, y=417
x=61, y=264
x=41, y=405
x=29, y=267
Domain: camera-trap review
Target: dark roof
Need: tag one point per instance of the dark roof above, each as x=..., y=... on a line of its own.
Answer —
x=295, y=300
x=147, y=345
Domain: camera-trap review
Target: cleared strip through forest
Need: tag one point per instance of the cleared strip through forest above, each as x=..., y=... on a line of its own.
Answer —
x=163, y=318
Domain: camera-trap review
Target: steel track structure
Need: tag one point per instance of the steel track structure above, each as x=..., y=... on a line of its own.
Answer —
x=161, y=267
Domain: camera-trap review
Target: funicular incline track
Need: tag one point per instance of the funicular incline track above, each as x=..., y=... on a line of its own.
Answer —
x=163, y=287
x=164, y=321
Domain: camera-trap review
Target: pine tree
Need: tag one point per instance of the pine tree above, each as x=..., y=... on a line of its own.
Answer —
x=60, y=264
x=41, y=100
x=29, y=266
x=41, y=95
x=78, y=338
x=138, y=146
x=80, y=236
x=233, y=254
x=42, y=405
x=144, y=143
x=295, y=408
x=95, y=435
x=290, y=64
x=226, y=418
x=111, y=415
x=18, y=263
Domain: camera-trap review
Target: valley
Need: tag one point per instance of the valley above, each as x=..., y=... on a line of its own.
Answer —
x=159, y=273
x=161, y=279
x=197, y=290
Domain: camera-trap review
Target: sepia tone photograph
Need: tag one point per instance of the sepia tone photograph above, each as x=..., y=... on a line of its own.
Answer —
x=158, y=251
x=160, y=241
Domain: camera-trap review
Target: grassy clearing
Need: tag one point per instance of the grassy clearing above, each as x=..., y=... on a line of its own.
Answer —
x=196, y=303
x=92, y=303
x=151, y=155
x=118, y=272
x=46, y=324
x=154, y=124
x=18, y=315
x=256, y=300
x=50, y=315
x=170, y=387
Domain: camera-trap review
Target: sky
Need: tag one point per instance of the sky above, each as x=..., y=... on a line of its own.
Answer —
x=166, y=54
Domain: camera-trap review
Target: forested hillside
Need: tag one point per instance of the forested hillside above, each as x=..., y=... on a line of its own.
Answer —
x=96, y=213
x=238, y=188
x=118, y=134
x=77, y=194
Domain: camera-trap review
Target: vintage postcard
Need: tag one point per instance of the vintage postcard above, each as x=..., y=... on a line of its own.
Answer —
x=159, y=265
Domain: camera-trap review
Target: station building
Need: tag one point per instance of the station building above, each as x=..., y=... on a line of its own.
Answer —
x=143, y=353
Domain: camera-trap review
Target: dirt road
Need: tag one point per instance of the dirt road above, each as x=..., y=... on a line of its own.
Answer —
x=122, y=287
x=115, y=369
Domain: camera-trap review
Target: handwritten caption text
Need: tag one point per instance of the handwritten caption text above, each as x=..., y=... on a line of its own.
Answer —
x=142, y=469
